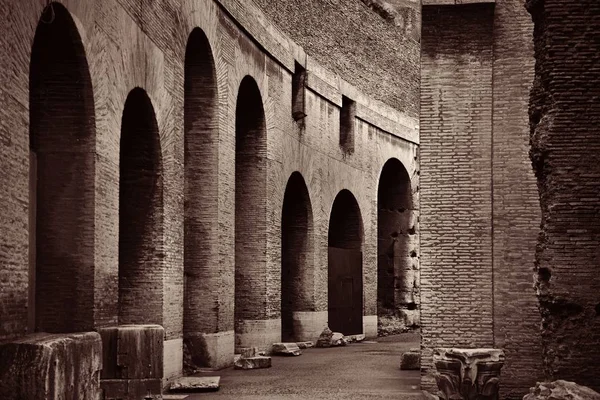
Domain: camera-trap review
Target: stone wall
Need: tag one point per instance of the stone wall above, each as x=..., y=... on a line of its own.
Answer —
x=128, y=46
x=565, y=140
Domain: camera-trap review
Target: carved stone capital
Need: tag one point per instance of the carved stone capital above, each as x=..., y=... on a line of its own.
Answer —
x=469, y=374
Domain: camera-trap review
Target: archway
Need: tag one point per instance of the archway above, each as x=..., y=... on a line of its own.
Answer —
x=345, y=278
x=250, y=207
x=396, y=298
x=62, y=184
x=140, y=214
x=201, y=276
x=297, y=257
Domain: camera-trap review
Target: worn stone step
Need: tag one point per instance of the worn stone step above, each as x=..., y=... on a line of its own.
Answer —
x=196, y=384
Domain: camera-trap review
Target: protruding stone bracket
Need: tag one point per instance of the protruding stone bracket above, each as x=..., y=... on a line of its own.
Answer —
x=470, y=374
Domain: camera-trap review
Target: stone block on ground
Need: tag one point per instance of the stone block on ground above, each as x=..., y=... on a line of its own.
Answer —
x=411, y=360
x=131, y=389
x=338, y=339
x=246, y=352
x=132, y=351
x=325, y=338
x=253, y=362
x=196, y=384
x=305, y=345
x=561, y=390
x=51, y=366
x=286, y=349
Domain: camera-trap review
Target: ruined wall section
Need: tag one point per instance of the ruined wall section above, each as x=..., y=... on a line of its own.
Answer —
x=516, y=210
x=456, y=178
x=565, y=140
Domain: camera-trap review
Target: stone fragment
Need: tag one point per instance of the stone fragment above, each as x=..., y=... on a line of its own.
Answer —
x=411, y=360
x=246, y=352
x=45, y=366
x=305, y=345
x=286, y=349
x=359, y=338
x=253, y=362
x=429, y=396
x=338, y=339
x=196, y=384
x=325, y=338
x=468, y=373
x=561, y=390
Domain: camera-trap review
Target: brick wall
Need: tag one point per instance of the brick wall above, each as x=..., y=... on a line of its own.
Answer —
x=129, y=47
x=516, y=210
x=456, y=207
x=565, y=138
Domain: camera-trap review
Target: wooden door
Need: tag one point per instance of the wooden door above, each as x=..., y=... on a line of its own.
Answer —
x=345, y=291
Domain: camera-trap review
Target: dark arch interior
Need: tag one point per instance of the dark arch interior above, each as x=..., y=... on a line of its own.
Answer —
x=345, y=288
x=62, y=144
x=395, y=253
x=296, y=254
x=200, y=159
x=140, y=213
x=250, y=202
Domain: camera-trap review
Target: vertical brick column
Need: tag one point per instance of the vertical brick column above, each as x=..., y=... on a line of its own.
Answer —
x=456, y=176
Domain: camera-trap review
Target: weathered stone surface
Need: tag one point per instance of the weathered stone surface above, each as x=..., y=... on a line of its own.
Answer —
x=468, y=373
x=305, y=345
x=131, y=389
x=253, y=362
x=286, y=349
x=338, y=339
x=411, y=361
x=132, y=351
x=561, y=390
x=246, y=352
x=196, y=384
x=325, y=338
x=51, y=367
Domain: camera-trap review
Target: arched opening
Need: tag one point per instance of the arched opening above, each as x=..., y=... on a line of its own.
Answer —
x=201, y=277
x=297, y=256
x=345, y=278
x=250, y=207
x=396, y=250
x=140, y=214
x=62, y=190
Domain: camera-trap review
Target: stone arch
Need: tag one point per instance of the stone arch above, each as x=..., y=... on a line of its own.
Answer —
x=201, y=196
x=397, y=255
x=141, y=250
x=345, y=277
x=297, y=257
x=250, y=208
x=62, y=184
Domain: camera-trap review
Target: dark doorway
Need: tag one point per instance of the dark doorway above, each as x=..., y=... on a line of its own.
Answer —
x=297, y=257
x=396, y=253
x=141, y=250
x=62, y=188
x=201, y=195
x=250, y=204
x=345, y=295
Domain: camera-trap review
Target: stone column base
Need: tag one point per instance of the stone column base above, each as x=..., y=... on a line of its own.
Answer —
x=132, y=361
x=257, y=333
x=211, y=350
x=370, y=326
x=308, y=325
x=51, y=367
